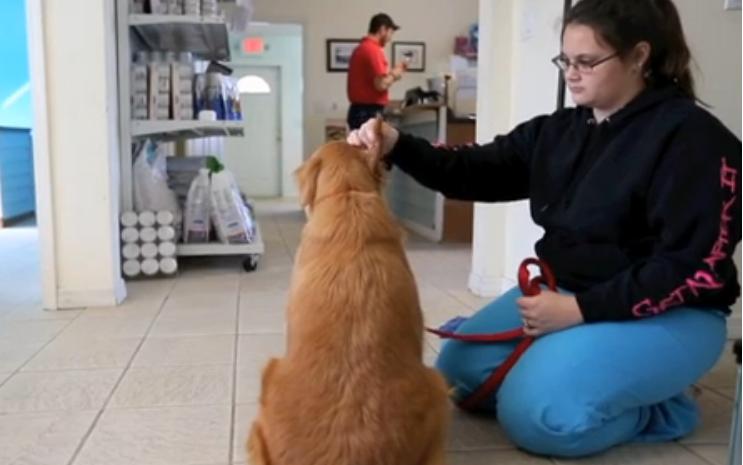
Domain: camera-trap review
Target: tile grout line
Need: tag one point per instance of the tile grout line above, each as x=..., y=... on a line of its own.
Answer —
x=705, y=443
x=233, y=406
x=464, y=304
x=283, y=238
x=44, y=346
x=695, y=454
x=126, y=408
x=98, y=416
x=718, y=391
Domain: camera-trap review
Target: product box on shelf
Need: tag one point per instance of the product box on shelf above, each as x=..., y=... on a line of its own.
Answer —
x=158, y=7
x=192, y=7
x=182, y=87
x=210, y=8
x=159, y=87
x=175, y=7
x=136, y=7
x=138, y=87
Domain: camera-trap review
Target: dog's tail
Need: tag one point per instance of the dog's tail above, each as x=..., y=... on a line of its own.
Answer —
x=257, y=450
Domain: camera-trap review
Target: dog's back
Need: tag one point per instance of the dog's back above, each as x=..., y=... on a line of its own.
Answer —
x=352, y=389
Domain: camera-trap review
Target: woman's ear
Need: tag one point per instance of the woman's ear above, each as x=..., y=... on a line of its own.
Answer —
x=641, y=55
x=306, y=176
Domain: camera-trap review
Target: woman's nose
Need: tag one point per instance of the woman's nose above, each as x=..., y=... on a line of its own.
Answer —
x=572, y=74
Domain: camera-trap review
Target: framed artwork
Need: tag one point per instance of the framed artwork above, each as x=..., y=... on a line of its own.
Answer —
x=338, y=54
x=414, y=53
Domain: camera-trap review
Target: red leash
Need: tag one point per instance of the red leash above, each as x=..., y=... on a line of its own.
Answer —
x=529, y=287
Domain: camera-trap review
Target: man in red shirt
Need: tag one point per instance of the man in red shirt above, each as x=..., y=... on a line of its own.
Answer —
x=369, y=75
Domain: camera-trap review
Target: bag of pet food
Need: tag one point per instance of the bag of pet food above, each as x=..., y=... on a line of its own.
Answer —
x=150, y=179
x=232, y=220
x=196, y=227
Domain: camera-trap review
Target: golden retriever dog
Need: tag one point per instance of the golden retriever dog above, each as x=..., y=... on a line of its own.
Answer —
x=352, y=388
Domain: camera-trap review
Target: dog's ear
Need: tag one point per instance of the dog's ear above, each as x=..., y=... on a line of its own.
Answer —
x=306, y=176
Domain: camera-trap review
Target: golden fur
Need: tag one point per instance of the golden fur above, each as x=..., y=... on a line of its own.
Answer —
x=352, y=388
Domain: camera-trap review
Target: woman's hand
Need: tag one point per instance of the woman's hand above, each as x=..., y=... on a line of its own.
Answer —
x=366, y=136
x=548, y=311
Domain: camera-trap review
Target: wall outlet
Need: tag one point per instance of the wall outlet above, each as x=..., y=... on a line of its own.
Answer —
x=732, y=4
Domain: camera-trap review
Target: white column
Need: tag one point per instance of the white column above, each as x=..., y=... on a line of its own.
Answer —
x=75, y=98
x=516, y=82
x=493, y=117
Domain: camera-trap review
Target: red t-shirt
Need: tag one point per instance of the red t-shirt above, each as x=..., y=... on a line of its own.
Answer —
x=367, y=62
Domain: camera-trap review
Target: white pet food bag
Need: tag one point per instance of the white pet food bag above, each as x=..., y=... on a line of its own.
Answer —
x=151, y=191
x=197, y=209
x=229, y=214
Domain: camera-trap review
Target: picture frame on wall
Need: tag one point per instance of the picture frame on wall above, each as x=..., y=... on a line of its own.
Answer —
x=414, y=53
x=338, y=54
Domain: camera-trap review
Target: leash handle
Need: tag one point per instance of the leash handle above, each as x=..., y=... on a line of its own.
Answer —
x=531, y=287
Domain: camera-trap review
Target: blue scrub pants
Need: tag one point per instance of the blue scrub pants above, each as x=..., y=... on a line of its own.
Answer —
x=582, y=390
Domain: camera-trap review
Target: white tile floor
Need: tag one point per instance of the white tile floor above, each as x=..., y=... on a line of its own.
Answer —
x=171, y=377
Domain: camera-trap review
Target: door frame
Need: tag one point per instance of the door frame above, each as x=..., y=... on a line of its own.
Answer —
x=41, y=153
x=236, y=66
x=291, y=89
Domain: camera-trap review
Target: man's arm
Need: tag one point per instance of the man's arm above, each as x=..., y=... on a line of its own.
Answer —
x=385, y=81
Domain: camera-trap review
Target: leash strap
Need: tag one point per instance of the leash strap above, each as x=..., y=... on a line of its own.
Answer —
x=529, y=287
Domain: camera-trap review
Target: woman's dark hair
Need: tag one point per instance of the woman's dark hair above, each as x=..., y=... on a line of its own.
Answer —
x=624, y=23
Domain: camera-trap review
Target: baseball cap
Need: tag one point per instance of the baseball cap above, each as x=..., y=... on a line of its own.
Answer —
x=381, y=19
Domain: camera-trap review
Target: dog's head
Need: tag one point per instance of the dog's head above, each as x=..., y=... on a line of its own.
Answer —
x=338, y=167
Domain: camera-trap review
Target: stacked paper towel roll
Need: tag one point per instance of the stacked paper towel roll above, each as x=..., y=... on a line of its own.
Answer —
x=148, y=244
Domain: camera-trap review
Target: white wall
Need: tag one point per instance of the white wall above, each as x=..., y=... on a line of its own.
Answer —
x=74, y=87
x=493, y=117
x=435, y=22
x=714, y=38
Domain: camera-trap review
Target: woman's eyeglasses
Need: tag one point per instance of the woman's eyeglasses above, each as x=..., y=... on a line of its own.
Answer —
x=581, y=65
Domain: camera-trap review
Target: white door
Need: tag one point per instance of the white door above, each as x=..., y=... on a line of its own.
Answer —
x=255, y=158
